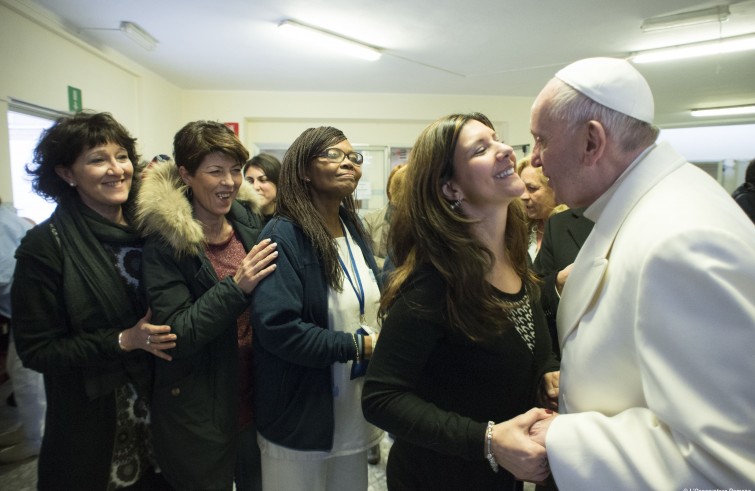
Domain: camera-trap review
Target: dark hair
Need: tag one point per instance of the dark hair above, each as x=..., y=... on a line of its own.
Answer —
x=295, y=200
x=388, y=187
x=270, y=165
x=426, y=229
x=197, y=139
x=62, y=143
x=750, y=172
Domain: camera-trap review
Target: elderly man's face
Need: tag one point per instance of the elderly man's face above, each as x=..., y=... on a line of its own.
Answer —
x=557, y=150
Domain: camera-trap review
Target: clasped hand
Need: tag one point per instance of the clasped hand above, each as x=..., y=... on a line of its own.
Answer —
x=516, y=451
x=518, y=444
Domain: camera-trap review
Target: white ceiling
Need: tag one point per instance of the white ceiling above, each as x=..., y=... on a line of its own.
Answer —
x=474, y=47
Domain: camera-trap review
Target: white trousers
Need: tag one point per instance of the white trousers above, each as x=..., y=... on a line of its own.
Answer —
x=346, y=473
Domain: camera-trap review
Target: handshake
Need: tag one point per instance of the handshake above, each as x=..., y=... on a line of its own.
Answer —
x=518, y=445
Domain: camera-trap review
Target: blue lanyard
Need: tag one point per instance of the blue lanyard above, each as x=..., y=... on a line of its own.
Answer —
x=359, y=292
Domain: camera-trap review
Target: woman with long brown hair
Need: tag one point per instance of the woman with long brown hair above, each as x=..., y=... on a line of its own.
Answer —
x=464, y=344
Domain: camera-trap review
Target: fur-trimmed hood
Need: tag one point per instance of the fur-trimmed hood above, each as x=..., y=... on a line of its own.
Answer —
x=163, y=209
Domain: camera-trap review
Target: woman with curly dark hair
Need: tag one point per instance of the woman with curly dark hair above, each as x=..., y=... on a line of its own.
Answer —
x=78, y=315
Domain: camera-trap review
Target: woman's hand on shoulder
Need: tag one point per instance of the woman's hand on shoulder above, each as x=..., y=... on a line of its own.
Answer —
x=148, y=337
x=256, y=265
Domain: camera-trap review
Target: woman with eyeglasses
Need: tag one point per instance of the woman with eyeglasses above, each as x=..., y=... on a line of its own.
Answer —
x=315, y=323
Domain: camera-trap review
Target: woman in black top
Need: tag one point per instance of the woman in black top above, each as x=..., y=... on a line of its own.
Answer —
x=464, y=343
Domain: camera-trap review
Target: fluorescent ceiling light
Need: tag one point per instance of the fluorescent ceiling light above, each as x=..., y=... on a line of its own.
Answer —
x=312, y=35
x=716, y=47
x=724, y=111
x=138, y=35
x=686, y=19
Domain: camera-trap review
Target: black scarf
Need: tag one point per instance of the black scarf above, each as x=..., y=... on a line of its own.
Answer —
x=90, y=276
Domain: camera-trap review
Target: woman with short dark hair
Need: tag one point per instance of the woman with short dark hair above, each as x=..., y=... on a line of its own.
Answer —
x=201, y=263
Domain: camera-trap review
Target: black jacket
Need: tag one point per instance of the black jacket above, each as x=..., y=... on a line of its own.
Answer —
x=63, y=331
x=744, y=195
x=195, y=398
x=564, y=235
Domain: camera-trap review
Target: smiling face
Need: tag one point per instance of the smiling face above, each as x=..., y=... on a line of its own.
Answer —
x=538, y=197
x=333, y=181
x=484, y=171
x=265, y=188
x=102, y=176
x=214, y=185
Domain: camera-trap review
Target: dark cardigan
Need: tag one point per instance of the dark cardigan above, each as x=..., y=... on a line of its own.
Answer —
x=293, y=347
x=436, y=390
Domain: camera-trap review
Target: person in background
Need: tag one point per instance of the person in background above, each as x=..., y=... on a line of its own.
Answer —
x=23, y=440
x=464, y=347
x=744, y=195
x=656, y=318
x=156, y=160
x=378, y=222
x=377, y=225
x=565, y=232
x=315, y=323
x=78, y=315
x=539, y=201
x=200, y=266
x=397, y=193
x=262, y=172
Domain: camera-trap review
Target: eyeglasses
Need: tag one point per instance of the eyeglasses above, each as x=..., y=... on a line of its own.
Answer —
x=336, y=155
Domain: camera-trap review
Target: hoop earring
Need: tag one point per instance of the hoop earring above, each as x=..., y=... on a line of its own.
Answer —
x=189, y=193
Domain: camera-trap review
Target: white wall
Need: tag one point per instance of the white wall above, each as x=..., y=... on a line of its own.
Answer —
x=40, y=60
x=373, y=119
x=713, y=143
x=731, y=145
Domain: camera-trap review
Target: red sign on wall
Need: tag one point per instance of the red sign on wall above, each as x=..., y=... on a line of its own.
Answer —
x=234, y=127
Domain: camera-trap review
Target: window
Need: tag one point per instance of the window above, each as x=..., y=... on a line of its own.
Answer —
x=26, y=123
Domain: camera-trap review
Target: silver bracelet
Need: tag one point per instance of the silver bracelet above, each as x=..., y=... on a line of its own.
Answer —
x=120, y=341
x=356, y=345
x=489, y=447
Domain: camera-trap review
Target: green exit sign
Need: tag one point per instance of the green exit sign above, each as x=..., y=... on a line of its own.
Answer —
x=74, y=99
